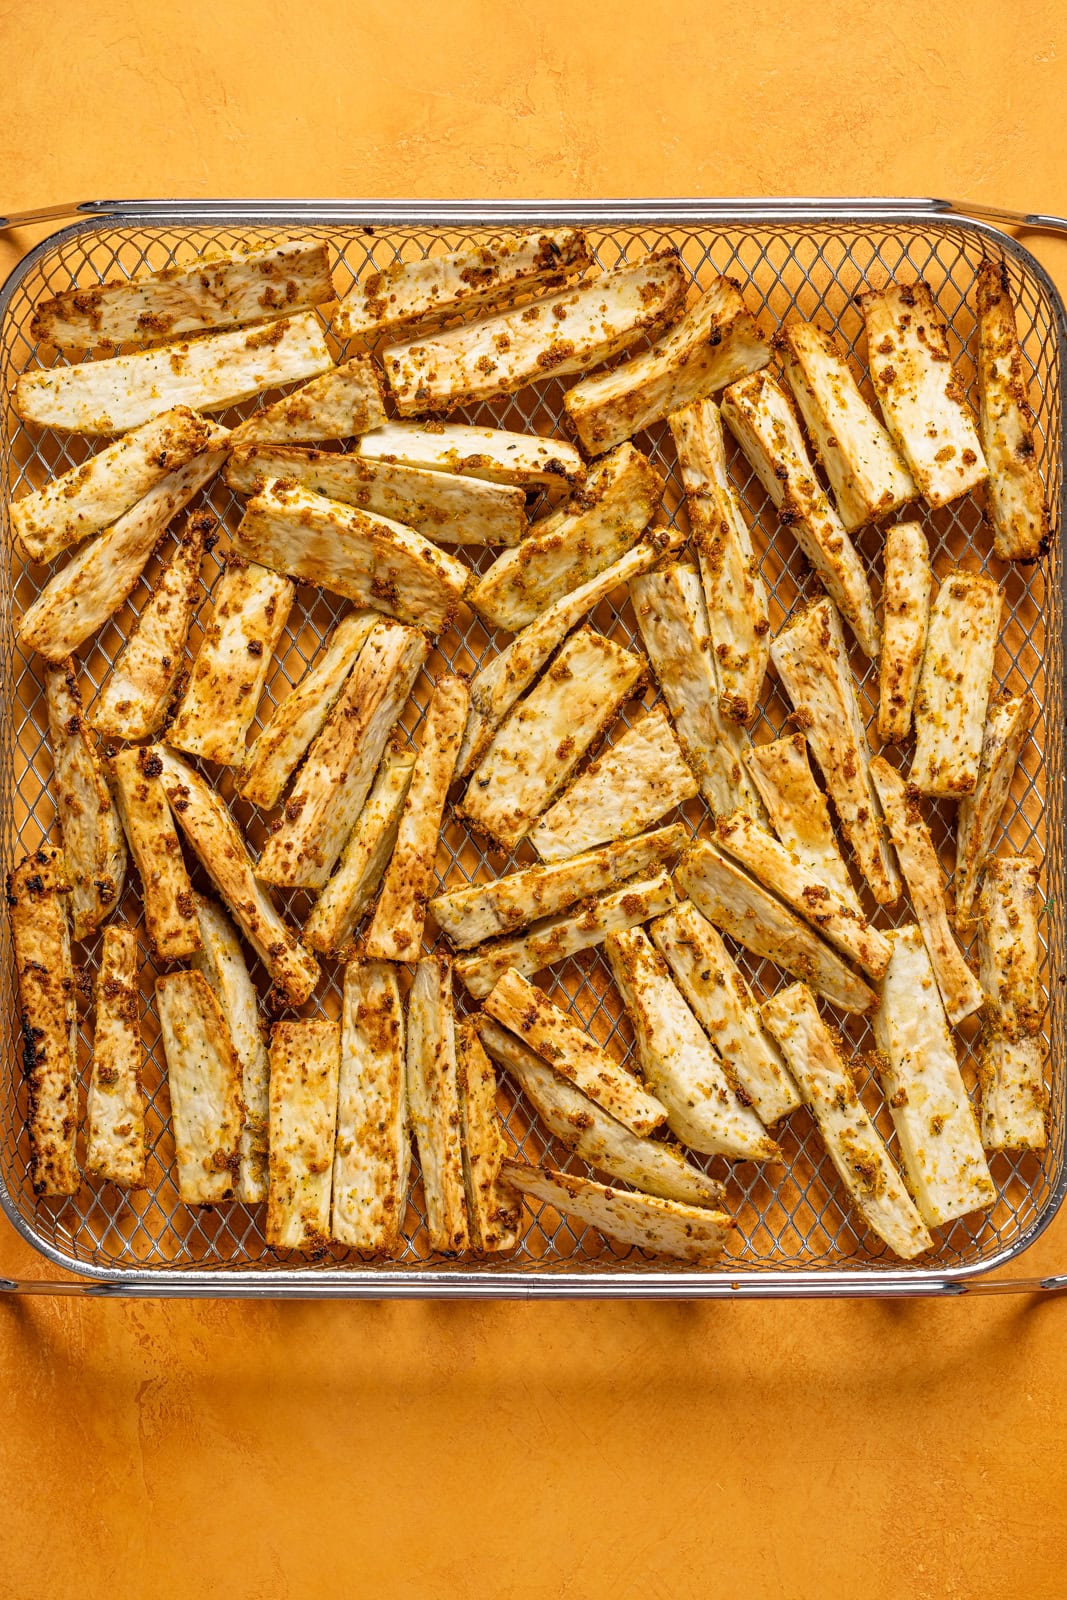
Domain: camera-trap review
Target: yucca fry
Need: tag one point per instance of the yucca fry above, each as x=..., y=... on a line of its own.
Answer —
x=906, y=612
x=336, y=777
x=718, y=997
x=1016, y=495
x=522, y=460
x=1011, y=1054
x=209, y=828
x=852, y=1142
x=868, y=475
x=211, y=373
x=37, y=892
x=810, y=658
x=939, y=1143
x=734, y=593
x=567, y=548
x=567, y=332
x=921, y=394
x=305, y=1062
x=1007, y=726
x=372, y=1156
x=211, y=291
x=798, y=811
x=493, y=1210
x=365, y=558
x=761, y=419
x=93, y=842
x=204, y=1079
x=166, y=892
x=555, y=938
x=648, y=1164
x=433, y=1103
x=1015, y=1100
x=114, y=1108
x=344, y=401
x=955, y=683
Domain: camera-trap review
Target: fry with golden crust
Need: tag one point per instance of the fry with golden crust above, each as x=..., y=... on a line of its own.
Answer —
x=204, y=1079
x=166, y=892
x=433, y=1103
x=523, y=460
x=955, y=684
x=906, y=610
x=493, y=1210
x=372, y=1156
x=1016, y=495
x=93, y=842
x=305, y=1062
x=114, y=1108
x=798, y=811
x=344, y=401
x=1011, y=1061
x=1007, y=726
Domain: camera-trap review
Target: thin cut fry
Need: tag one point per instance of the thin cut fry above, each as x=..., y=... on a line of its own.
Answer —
x=1007, y=726
x=166, y=892
x=344, y=401
x=115, y=1142
x=955, y=683
x=433, y=1102
x=93, y=841
x=305, y=1060
x=372, y=1156
x=493, y=1210
x=798, y=811
x=1017, y=501
x=524, y=460
x=906, y=608
x=205, y=1087
x=1011, y=1061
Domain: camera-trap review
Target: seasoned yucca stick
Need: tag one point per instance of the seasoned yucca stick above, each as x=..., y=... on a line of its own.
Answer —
x=673, y=623
x=798, y=811
x=867, y=473
x=493, y=1210
x=713, y=344
x=1017, y=502
x=1011, y=1059
x=571, y=1052
x=935, y=1125
x=647, y=1164
x=524, y=460
x=921, y=394
x=166, y=892
x=114, y=1109
x=852, y=1142
x=204, y=1078
x=209, y=828
x=335, y=780
x=567, y=548
x=566, y=332
x=960, y=989
x=305, y=1063
x=211, y=291
x=395, y=933
x=810, y=658
x=93, y=842
x=367, y=559
x=716, y=993
x=759, y=415
x=37, y=893
x=541, y=743
x=555, y=938
x=208, y=374
x=687, y=1075
x=906, y=609
x=344, y=401
x=955, y=683
x=372, y=1158
x=1015, y=1102
x=1007, y=726
x=91, y=497
x=433, y=1103
x=332, y=924
x=406, y=294
x=734, y=592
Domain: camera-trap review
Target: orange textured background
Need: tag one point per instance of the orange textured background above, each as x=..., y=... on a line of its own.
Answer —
x=514, y=1452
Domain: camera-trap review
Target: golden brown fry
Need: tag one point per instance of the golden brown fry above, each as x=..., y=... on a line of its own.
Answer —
x=166, y=892
x=115, y=1142
x=93, y=842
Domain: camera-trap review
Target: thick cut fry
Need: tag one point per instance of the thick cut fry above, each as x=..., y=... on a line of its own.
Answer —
x=372, y=1159
x=939, y=1142
x=1007, y=726
x=524, y=460
x=759, y=415
x=37, y=892
x=204, y=1079
x=208, y=374
x=332, y=924
x=1011, y=1056
x=811, y=661
x=1017, y=502
x=867, y=473
x=955, y=684
x=346, y=400
x=960, y=989
x=365, y=558
x=572, y=1053
x=406, y=294
x=493, y=1210
x=93, y=842
x=734, y=592
x=167, y=894
x=673, y=623
x=569, y=547
x=1015, y=1102
x=212, y=291
x=222, y=963
x=714, y=343
x=433, y=1103
x=541, y=743
x=115, y=1142
x=567, y=332
x=798, y=811
x=921, y=394
x=715, y=992
x=209, y=828
x=558, y=937
x=395, y=933
x=906, y=609
x=337, y=775
x=305, y=1061
x=852, y=1141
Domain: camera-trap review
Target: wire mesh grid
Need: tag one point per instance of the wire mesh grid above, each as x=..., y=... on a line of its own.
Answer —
x=792, y=1221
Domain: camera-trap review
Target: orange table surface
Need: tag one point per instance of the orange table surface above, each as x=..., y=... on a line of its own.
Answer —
x=510, y=1451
